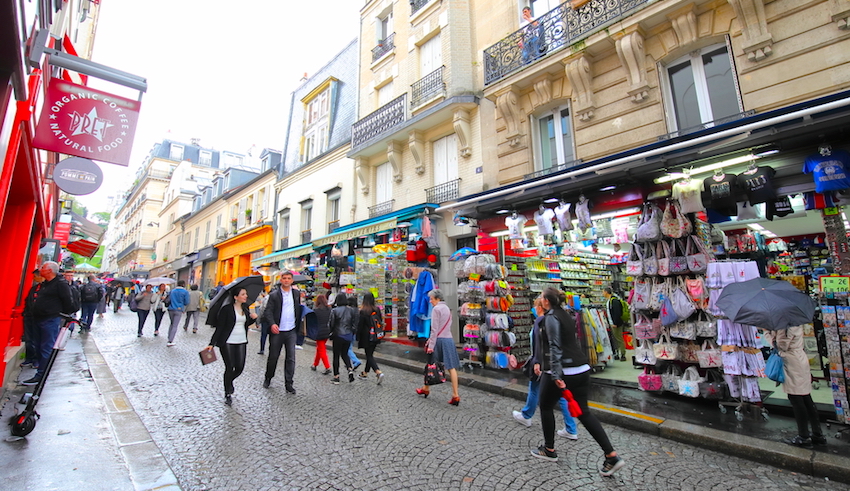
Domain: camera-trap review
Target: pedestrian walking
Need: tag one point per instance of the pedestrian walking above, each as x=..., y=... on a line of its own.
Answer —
x=117, y=298
x=301, y=334
x=50, y=298
x=158, y=307
x=231, y=337
x=524, y=415
x=101, y=305
x=441, y=345
x=798, y=386
x=342, y=323
x=144, y=304
x=176, y=304
x=283, y=313
x=323, y=332
x=563, y=365
x=370, y=321
x=260, y=304
x=90, y=295
x=193, y=308
x=352, y=356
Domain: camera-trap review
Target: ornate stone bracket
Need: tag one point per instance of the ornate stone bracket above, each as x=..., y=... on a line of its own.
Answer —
x=579, y=72
x=543, y=91
x=633, y=58
x=417, y=148
x=363, y=174
x=462, y=130
x=757, y=39
x=685, y=26
x=394, y=156
x=506, y=103
x=840, y=11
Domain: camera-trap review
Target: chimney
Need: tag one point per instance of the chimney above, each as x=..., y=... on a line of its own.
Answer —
x=304, y=78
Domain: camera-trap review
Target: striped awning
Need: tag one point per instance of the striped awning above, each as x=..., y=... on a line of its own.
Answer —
x=296, y=251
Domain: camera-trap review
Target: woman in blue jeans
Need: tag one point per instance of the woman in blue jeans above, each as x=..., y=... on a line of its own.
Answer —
x=524, y=416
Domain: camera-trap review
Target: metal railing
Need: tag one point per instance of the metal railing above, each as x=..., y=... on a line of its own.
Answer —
x=416, y=5
x=127, y=250
x=709, y=124
x=553, y=169
x=552, y=31
x=284, y=243
x=384, y=46
x=379, y=121
x=333, y=226
x=441, y=193
x=381, y=208
x=306, y=236
x=427, y=87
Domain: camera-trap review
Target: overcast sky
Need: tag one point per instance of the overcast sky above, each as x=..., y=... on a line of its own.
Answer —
x=218, y=70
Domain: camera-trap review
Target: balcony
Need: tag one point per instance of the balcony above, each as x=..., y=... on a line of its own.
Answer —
x=441, y=193
x=384, y=46
x=416, y=5
x=554, y=169
x=428, y=87
x=385, y=118
x=710, y=124
x=551, y=32
x=381, y=208
x=306, y=236
x=127, y=250
x=333, y=226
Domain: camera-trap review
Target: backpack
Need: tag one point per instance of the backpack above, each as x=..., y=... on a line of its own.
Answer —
x=626, y=316
x=75, y=299
x=376, y=327
x=90, y=293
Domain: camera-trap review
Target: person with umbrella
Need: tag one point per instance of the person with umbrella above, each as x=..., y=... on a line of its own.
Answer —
x=231, y=337
x=158, y=306
x=283, y=314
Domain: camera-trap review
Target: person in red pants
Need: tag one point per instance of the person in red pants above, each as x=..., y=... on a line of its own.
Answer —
x=323, y=332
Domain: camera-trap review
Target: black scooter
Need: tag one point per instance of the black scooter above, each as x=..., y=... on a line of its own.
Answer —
x=23, y=423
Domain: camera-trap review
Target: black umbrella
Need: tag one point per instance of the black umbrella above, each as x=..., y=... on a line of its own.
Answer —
x=253, y=285
x=769, y=304
x=125, y=280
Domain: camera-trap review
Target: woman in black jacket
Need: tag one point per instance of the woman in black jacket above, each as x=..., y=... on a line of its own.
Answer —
x=231, y=337
x=343, y=323
x=369, y=316
x=564, y=365
x=323, y=332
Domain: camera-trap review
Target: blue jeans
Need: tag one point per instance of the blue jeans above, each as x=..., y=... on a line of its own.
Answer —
x=355, y=362
x=531, y=406
x=31, y=337
x=48, y=331
x=88, y=313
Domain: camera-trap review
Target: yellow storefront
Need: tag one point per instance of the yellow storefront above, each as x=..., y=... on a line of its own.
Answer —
x=235, y=254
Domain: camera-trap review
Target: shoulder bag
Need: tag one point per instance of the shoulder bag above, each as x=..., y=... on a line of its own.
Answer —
x=674, y=223
x=713, y=387
x=670, y=379
x=644, y=353
x=662, y=255
x=678, y=259
x=642, y=293
x=709, y=356
x=688, y=352
x=650, y=263
x=697, y=256
x=689, y=383
x=706, y=326
x=644, y=328
x=634, y=264
x=681, y=302
x=665, y=349
x=649, y=227
x=774, y=368
x=649, y=380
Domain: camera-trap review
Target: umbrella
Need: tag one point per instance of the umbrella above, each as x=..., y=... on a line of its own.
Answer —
x=769, y=304
x=159, y=280
x=253, y=285
x=462, y=253
x=300, y=278
x=85, y=267
x=121, y=279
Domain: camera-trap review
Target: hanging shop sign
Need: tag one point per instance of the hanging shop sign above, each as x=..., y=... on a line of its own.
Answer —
x=86, y=122
x=78, y=176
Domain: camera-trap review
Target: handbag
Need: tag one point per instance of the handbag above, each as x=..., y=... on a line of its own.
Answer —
x=689, y=383
x=435, y=373
x=649, y=229
x=713, y=387
x=634, y=264
x=674, y=223
x=645, y=328
x=134, y=305
x=706, y=327
x=642, y=293
x=684, y=330
x=678, y=259
x=645, y=353
x=670, y=379
x=668, y=314
x=709, y=356
x=650, y=263
x=698, y=258
x=659, y=292
x=665, y=348
x=697, y=291
x=207, y=356
x=662, y=255
x=688, y=352
x=649, y=381
x=774, y=368
x=528, y=369
x=681, y=302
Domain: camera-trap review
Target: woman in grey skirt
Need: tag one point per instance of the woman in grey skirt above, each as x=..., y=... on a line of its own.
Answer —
x=441, y=343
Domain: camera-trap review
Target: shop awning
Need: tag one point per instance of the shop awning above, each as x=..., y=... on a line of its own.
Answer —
x=373, y=225
x=282, y=254
x=83, y=247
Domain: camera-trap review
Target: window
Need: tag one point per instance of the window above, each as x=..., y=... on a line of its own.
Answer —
x=701, y=88
x=540, y=7
x=207, y=233
x=260, y=209
x=554, y=142
x=232, y=160
x=205, y=158
x=430, y=56
x=197, y=236
x=445, y=159
x=333, y=208
x=167, y=252
x=176, y=152
x=171, y=220
x=385, y=94
x=316, y=125
x=283, y=223
x=306, y=215
x=384, y=25
x=383, y=183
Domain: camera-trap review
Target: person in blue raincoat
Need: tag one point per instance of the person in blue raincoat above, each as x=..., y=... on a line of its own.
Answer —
x=420, y=306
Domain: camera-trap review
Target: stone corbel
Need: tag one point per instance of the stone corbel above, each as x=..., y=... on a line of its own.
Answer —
x=462, y=130
x=394, y=156
x=506, y=103
x=685, y=26
x=417, y=148
x=363, y=174
x=751, y=18
x=840, y=11
x=543, y=91
x=579, y=71
x=633, y=58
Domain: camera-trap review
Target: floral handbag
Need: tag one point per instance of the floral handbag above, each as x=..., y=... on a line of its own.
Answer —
x=681, y=302
x=674, y=223
x=659, y=292
x=697, y=256
x=688, y=352
x=649, y=380
x=665, y=349
x=634, y=264
x=689, y=383
x=684, y=330
x=670, y=379
x=706, y=326
x=709, y=356
x=644, y=328
x=697, y=291
x=678, y=259
x=649, y=227
x=662, y=255
x=713, y=387
x=644, y=353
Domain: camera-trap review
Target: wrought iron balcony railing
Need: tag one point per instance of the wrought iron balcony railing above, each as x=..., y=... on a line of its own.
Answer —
x=710, y=124
x=384, y=46
x=386, y=117
x=553, y=169
x=415, y=5
x=127, y=250
x=284, y=243
x=441, y=193
x=306, y=236
x=427, y=87
x=551, y=32
x=333, y=226
x=381, y=208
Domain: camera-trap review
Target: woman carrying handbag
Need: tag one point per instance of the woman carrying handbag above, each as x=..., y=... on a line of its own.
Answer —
x=231, y=337
x=441, y=343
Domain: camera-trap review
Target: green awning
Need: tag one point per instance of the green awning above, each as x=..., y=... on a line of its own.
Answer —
x=296, y=251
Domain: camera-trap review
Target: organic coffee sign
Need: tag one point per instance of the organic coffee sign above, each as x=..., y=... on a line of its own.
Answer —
x=77, y=176
x=88, y=123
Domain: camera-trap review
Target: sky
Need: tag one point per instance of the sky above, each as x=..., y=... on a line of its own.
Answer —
x=218, y=70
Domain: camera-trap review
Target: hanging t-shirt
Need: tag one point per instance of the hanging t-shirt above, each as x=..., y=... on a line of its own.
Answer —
x=720, y=193
x=779, y=207
x=583, y=215
x=830, y=171
x=758, y=184
x=562, y=214
x=544, y=221
x=514, y=224
x=688, y=193
x=818, y=201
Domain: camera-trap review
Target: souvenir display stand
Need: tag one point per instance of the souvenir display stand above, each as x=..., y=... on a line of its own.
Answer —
x=835, y=311
x=520, y=311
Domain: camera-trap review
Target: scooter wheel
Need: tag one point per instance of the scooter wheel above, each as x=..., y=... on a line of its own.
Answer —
x=23, y=425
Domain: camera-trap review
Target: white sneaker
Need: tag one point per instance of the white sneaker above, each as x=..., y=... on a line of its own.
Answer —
x=380, y=378
x=521, y=419
x=170, y=344
x=566, y=434
x=298, y=346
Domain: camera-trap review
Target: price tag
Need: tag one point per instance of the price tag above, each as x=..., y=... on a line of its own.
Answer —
x=474, y=277
x=833, y=210
x=835, y=284
x=513, y=267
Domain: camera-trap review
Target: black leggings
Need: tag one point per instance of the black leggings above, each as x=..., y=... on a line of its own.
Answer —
x=805, y=413
x=370, y=358
x=341, y=350
x=550, y=394
x=233, y=356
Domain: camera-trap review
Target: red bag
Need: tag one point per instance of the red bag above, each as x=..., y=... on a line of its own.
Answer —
x=629, y=341
x=411, y=252
x=421, y=250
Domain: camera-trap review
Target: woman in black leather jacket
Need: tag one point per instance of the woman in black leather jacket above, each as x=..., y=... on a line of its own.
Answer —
x=231, y=337
x=564, y=365
x=343, y=323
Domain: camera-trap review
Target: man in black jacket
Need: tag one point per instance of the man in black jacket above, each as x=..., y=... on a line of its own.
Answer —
x=50, y=298
x=283, y=315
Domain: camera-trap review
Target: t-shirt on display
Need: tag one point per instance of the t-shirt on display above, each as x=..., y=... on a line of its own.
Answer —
x=688, y=193
x=758, y=184
x=829, y=171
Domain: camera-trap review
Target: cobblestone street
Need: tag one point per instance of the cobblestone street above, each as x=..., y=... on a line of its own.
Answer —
x=364, y=436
